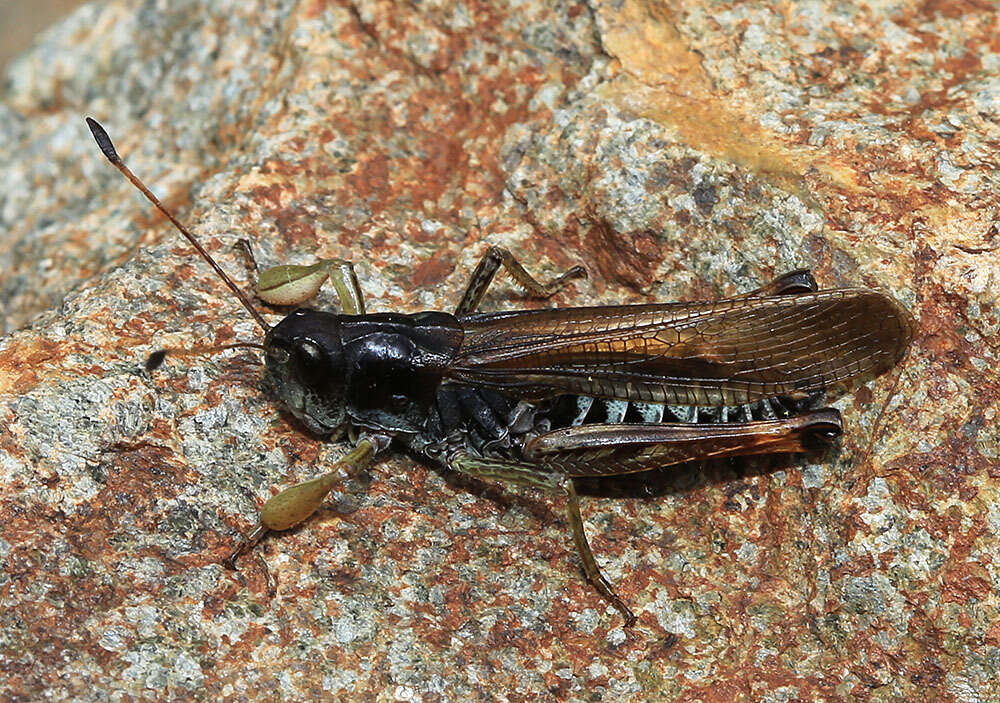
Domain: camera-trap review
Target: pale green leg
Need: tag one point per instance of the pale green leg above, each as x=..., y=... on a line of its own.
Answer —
x=292, y=284
x=298, y=502
x=345, y=282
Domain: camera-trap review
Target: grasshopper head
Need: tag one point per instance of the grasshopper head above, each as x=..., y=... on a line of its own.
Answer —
x=304, y=364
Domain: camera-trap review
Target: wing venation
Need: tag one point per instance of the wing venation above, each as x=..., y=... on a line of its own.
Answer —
x=727, y=352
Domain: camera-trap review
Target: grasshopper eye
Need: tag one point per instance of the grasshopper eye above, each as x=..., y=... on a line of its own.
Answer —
x=279, y=354
x=311, y=360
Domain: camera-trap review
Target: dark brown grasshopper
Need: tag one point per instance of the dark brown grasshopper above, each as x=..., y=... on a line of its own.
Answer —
x=543, y=397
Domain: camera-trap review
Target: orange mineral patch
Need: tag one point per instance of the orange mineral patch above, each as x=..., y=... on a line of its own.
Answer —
x=21, y=360
x=663, y=80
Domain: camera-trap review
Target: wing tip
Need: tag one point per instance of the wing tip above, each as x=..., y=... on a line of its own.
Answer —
x=898, y=329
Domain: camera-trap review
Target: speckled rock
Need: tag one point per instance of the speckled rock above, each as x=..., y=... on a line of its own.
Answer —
x=680, y=152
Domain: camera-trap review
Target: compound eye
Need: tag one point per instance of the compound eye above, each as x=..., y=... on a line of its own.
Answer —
x=278, y=353
x=311, y=361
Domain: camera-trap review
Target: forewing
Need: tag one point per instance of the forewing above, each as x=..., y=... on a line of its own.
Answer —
x=726, y=352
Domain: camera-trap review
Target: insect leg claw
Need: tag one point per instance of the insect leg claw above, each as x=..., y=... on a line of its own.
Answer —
x=245, y=545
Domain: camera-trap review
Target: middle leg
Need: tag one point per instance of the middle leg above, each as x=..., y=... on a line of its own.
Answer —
x=489, y=265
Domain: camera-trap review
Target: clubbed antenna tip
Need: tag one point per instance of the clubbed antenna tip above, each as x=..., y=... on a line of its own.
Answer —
x=155, y=360
x=103, y=140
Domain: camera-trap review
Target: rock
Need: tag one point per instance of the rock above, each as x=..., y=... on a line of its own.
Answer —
x=677, y=153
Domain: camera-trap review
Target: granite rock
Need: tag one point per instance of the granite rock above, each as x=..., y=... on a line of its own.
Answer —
x=679, y=152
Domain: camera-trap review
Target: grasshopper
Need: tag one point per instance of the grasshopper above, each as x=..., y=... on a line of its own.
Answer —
x=542, y=398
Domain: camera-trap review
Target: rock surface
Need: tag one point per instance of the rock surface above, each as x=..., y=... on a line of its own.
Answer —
x=678, y=153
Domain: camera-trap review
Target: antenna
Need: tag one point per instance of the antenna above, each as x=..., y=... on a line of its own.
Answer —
x=156, y=359
x=104, y=142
